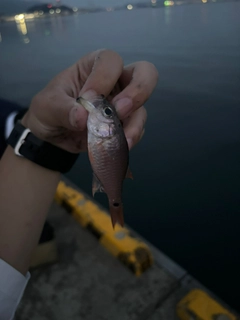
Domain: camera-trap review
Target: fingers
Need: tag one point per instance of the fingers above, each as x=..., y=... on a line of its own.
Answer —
x=134, y=126
x=139, y=80
x=54, y=108
x=104, y=70
x=96, y=73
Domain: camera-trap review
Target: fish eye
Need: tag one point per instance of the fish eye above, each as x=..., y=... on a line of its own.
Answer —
x=108, y=111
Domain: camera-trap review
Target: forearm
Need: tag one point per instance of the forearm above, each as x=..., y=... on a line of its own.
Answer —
x=26, y=193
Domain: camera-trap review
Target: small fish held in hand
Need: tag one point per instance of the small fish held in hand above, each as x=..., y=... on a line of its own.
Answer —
x=108, y=153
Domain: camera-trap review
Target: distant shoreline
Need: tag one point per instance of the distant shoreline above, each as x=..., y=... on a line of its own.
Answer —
x=42, y=11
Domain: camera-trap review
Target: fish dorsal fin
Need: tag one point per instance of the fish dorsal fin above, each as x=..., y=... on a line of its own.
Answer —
x=129, y=174
x=96, y=185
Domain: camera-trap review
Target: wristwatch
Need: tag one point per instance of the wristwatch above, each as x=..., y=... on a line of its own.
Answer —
x=27, y=145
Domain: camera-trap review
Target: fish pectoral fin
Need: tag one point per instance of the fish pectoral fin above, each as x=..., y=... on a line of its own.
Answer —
x=129, y=174
x=96, y=185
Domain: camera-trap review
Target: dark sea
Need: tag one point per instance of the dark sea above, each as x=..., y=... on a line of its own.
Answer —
x=185, y=196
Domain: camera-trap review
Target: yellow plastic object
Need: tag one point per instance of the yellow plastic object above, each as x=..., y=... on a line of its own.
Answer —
x=198, y=305
x=134, y=253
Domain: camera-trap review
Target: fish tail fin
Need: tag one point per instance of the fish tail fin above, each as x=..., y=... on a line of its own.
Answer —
x=116, y=211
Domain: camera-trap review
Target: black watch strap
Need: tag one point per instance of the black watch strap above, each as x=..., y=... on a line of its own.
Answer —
x=27, y=145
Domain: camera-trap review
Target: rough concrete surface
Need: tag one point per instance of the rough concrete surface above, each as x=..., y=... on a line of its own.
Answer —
x=166, y=310
x=88, y=283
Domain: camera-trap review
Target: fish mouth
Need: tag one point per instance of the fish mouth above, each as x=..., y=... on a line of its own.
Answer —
x=86, y=104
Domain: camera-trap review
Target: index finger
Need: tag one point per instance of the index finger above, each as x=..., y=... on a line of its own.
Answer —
x=138, y=81
x=103, y=68
x=94, y=74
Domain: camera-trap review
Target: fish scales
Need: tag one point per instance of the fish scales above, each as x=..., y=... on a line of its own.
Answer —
x=107, y=166
x=108, y=153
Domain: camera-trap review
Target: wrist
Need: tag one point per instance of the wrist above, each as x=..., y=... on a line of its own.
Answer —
x=29, y=146
x=24, y=120
x=28, y=122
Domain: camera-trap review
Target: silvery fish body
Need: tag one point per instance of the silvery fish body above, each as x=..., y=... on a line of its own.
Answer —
x=108, y=153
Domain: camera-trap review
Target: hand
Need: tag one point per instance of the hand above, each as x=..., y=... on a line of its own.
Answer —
x=56, y=117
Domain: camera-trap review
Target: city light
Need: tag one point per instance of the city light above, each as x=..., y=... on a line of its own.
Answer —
x=19, y=17
x=22, y=27
x=29, y=16
x=53, y=10
x=168, y=3
x=129, y=7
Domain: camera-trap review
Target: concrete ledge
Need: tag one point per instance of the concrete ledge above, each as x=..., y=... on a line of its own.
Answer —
x=89, y=283
x=120, y=242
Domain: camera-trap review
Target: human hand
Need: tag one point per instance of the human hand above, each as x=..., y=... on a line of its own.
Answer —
x=56, y=117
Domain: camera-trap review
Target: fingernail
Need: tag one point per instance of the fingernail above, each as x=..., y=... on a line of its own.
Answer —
x=72, y=117
x=130, y=143
x=89, y=95
x=123, y=105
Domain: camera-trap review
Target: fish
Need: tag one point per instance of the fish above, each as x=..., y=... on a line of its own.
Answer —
x=108, y=153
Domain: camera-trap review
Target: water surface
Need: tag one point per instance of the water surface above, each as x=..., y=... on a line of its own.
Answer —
x=185, y=195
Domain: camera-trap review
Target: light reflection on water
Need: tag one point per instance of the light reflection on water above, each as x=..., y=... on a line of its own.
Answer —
x=167, y=15
x=185, y=195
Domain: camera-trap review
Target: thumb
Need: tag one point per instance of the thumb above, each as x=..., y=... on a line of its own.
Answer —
x=78, y=114
x=68, y=113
